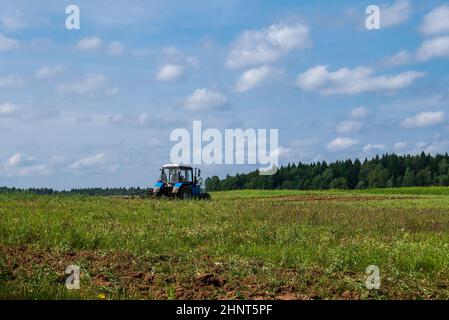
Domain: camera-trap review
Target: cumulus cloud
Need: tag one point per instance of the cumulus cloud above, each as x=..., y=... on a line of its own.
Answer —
x=8, y=109
x=175, y=66
x=170, y=72
x=373, y=148
x=25, y=113
x=349, y=126
x=206, y=99
x=436, y=147
x=18, y=159
x=89, y=84
x=88, y=44
x=400, y=58
x=424, y=119
x=176, y=56
x=395, y=13
x=12, y=20
x=22, y=165
x=399, y=145
x=359, y=113
x=353, y=81
x=7, y=43
x=252, y=78
x=436, y=21
x=11, y=81
x=341, y=143
x=433, y=48
x=266, y=46
x=91, y=161
x=97, y=162
x=115, y=48
x=48, y=71
x=143, y=120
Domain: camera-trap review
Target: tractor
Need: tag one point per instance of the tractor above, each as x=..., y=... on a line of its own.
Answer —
x=180, y=182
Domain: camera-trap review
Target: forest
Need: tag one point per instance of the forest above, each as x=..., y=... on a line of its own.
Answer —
x=386, y=171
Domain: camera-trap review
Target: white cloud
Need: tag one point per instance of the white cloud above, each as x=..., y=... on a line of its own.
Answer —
x=436, y=21
x=142, y=119
x=11, y=81
x=394, y=14
x=25, y=113
x=265, y=46
x=21, y=165
x=90, y=83
x=88, y=162
x=174, y=55
x=34, y=169
x=433, y=48
x=170, y=72
x=87, y=44
x=13, y=21
x=373, y=148
x=18, y=159
x=437, y=147
x=117, y=118
x=7, y=43
x=359, y=113
x=206, y=99
x=255, y=77
x=424, y=119
x=353, y=81
x=399, y=145
x=400, y=58
x=48, y=71
x=349, y=126
x=98, y=162
x=421, y=145
x=341, y=144
x=116, y=48
x=8, y=109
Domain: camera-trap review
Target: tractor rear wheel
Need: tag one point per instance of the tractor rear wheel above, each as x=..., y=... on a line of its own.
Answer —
x=206, y=196
x=185, y=193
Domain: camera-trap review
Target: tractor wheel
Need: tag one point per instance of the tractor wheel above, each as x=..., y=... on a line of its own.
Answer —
x=206, y=196
x=185, y=193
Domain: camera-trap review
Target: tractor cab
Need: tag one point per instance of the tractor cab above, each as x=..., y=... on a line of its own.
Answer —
x=179, y=181
x=174, y=173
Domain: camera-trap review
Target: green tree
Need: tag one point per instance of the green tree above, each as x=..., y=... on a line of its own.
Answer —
x=409, y=178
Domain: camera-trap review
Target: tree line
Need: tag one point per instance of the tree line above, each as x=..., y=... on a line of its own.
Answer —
x=386, y=171
x=85, y=191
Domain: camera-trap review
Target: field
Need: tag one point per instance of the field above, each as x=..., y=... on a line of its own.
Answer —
x=242, y=244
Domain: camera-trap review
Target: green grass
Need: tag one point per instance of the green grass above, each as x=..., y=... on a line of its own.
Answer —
x=257, y=243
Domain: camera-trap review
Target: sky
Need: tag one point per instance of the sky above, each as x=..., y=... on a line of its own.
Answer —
x=95, y=106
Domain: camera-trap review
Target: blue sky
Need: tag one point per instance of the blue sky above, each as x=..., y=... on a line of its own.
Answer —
x=95, y=106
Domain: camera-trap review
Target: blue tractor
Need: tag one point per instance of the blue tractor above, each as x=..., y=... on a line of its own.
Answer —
x=180, y=182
